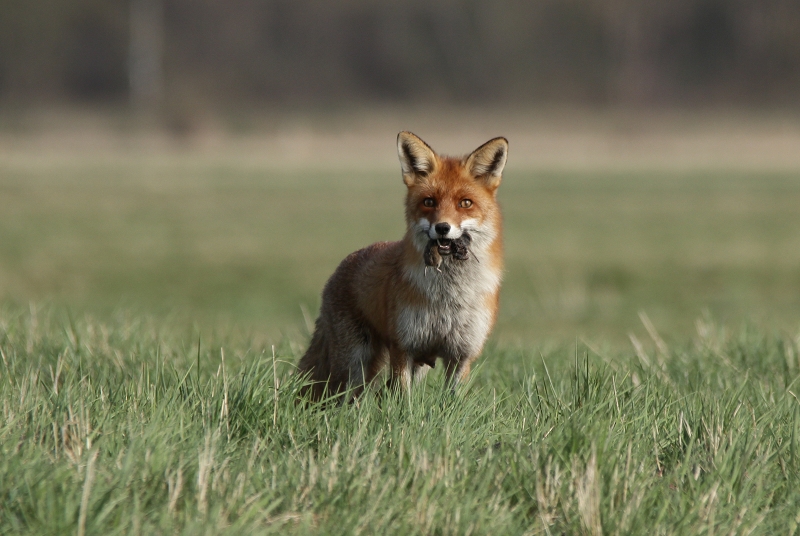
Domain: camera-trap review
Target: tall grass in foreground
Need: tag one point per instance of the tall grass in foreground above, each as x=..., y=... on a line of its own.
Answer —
x=122, y=426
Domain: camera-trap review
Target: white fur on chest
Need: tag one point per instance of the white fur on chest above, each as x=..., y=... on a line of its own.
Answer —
x=456, y=319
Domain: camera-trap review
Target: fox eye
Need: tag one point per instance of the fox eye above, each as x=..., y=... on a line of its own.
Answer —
x=465, y=203
x=428, y=202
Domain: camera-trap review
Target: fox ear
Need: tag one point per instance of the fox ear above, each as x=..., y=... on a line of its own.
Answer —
x=487, y=161
x=417, y=159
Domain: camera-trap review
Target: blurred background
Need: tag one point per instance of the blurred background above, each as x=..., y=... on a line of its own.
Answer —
x=241, y=53
x=214, y=161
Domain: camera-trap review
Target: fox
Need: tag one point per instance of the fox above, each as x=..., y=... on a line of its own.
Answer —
x=433, y=294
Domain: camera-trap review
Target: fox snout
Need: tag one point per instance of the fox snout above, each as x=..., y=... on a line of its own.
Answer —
x=442, y=229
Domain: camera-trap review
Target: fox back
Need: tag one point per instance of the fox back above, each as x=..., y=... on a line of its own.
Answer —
x=433, y=294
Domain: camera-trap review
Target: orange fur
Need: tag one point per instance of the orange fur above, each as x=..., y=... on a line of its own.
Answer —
x=384, y=306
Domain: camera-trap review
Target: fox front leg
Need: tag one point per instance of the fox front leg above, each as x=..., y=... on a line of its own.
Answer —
x=419, y=372
x=401, y=369
x=456, y=372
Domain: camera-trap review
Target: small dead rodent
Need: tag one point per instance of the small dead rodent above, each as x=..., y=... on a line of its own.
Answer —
x=460, y=247
x=431, y=255
x=441, y=247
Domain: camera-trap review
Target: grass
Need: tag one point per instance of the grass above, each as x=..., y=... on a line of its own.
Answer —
x=642, y=377
x=130, y=426
x=240, y=245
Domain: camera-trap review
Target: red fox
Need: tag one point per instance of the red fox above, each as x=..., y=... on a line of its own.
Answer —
x=432, y=294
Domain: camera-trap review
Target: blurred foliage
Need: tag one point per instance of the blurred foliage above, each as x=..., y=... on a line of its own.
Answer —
x=322, y=52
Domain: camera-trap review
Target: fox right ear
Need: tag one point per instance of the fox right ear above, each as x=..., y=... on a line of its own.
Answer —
x=417, y=159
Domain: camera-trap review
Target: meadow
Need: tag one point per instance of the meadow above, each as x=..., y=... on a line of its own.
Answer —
x=247, y=245
x=642, y=377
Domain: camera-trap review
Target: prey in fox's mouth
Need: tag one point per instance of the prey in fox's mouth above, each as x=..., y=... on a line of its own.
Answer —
x=442, y=247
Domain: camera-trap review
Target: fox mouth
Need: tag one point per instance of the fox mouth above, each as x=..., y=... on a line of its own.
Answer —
x=438, y=248
x=444, y=246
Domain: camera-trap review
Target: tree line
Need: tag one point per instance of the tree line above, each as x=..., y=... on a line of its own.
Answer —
x=244, y=52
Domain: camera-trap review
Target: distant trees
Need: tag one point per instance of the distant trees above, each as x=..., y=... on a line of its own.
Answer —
x=146, y=53
x=323, y=51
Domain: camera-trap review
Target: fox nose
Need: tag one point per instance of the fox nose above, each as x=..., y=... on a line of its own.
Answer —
x=442, y=228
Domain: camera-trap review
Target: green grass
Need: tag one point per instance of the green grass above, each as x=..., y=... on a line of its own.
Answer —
x=110, y=427
x=642, y=377
x=241, y=245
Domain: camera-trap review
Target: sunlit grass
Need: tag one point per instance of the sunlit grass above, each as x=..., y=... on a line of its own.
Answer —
x=130, y=426
x=642, y=377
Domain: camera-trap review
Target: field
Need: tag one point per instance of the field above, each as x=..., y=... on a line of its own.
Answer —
x=156, y=295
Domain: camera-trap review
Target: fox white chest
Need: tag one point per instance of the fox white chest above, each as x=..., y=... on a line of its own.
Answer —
x=457, y=318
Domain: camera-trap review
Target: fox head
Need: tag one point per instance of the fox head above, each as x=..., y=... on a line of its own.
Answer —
x=450, y=197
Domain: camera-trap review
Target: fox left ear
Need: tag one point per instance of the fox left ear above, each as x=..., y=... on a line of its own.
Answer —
x=487, y=161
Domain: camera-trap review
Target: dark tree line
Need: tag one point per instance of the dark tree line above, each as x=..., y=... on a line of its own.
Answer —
x=325, y=52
